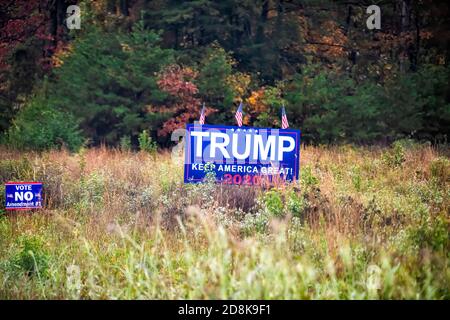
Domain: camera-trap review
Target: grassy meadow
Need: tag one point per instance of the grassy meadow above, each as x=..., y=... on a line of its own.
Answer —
x=363, y=223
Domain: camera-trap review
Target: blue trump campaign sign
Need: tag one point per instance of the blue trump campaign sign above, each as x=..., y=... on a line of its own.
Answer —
x=23, y=195
x=241, y=155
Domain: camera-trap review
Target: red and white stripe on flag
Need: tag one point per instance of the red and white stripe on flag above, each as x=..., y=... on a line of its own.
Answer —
x=202, y=115
x=202, y=118
x=239, y=118
x=284, y=120
x=238, y=115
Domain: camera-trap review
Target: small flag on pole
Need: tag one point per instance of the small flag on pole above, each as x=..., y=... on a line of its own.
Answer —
x=202, y=115
x=238, y=115
x=284, y=120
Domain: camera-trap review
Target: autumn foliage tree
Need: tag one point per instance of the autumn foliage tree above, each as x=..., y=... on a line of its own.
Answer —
x=31, y=31
x=177, y=81
x=22, y=26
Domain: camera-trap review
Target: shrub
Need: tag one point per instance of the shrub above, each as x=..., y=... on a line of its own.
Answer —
x=146, y=143
x=431, y=232
x=92, y=189
x=273, y=203
x=307, y=177
x=356, y=177
x=440, y=170
x=252, y=223
x=395, y=156
x=125, y=143
x=40, y=127
x=21, y=169
x=296, y=204
x=31, y=257
x=409, y=144
x=240, y=198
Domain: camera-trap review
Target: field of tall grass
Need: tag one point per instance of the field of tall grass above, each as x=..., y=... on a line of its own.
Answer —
x=362, y=223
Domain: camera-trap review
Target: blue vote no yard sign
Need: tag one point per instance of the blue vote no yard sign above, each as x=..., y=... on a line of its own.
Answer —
x=241, y=155
x=23, y=195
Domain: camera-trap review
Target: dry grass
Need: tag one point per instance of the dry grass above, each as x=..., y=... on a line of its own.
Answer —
x=360, y=224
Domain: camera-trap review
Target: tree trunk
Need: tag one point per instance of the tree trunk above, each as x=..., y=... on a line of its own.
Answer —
x=124, y=7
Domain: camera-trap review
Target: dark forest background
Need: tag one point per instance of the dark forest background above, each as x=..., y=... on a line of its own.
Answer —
x=142, y=65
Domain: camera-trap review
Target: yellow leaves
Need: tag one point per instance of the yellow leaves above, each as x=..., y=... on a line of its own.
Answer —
x=239, y=82
x=255, y=103
x=328, y=40
x=190, y=72
x=125, y=47
x=62, y=51
x=57, y=62
x=252, y=99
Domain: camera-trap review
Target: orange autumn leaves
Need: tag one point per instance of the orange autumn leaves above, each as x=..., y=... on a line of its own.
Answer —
x=255, y=105
x=328, y=42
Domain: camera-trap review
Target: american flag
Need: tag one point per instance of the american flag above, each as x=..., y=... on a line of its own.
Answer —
x=202, y=115
x=238, y=115
x=284, y=120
